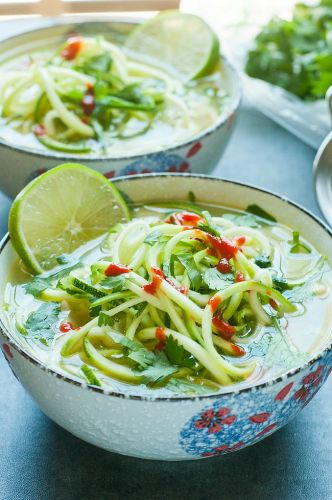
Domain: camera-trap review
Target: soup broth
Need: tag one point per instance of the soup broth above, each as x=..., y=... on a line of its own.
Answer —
x=182, y=299
x=87, y=96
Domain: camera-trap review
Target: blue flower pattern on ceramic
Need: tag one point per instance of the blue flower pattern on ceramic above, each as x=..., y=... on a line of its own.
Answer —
x=224, y=427
x=157, y=162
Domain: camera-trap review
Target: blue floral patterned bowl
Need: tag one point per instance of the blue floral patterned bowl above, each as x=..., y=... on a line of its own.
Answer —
x=201, y=153
x=184, y=427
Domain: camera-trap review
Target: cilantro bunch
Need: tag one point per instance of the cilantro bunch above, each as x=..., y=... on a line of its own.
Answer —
x=296, y=54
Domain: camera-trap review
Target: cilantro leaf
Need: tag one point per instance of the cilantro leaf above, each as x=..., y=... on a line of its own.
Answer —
x=191, y=197
x=195, y=277
x=114, y=283
x=37, y=285
x=279, y=352
x=63, y=259
x=280, y=283
x=155, y=237
x=260, y=212
x=121, y=339
x=97, y=65
x=40, y=323
x=263, y=261
x=176, y=354
x=216, y=280
x=160, y=369
x=143, y=357
x=181, y=386
x=295, y=54
x=246, y=220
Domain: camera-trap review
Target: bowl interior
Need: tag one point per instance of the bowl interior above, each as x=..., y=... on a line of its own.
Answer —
x=55, y=33
x=159, y=187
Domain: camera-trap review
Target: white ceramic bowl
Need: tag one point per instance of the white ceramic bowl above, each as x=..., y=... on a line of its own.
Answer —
x=177, y=428
x=201, y=153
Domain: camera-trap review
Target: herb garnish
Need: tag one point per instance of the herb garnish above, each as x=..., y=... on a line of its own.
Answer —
x=40, y=324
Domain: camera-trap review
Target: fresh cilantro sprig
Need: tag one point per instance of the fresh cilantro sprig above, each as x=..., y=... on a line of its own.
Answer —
x=296, y=54
x=177, y=355
x=41, y=324
x=215, y=280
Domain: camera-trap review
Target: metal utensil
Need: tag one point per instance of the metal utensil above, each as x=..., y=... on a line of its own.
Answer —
x=323, y=170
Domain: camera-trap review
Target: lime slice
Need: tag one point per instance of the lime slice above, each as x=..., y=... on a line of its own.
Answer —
x=182, y=44
x=60, y=211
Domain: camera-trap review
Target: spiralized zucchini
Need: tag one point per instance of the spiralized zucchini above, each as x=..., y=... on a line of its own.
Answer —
x=172, y=299
x=90, y=95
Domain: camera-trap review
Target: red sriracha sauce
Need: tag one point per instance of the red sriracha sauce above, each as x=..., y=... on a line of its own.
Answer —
x=225, y=329
x=39, y=130
x=188, y=219
x=214, y=303
x=184, y=290
x=116, y=269
x=72, y=48
x=240, y=240
x=88, y=104
x=224, y=266
x=157, y=278
x=66, y=327
x=223, y=247
x=237, y=350
x=161, y=336
x=274, y=304
x=239, y=278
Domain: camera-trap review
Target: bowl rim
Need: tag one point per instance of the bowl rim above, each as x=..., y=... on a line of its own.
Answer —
x=220, y=122
x=185, y=397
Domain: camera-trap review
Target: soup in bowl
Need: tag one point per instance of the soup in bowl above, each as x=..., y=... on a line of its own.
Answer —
x=80, y=91
x=199, y=327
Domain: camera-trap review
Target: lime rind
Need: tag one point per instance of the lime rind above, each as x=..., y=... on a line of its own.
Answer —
x=182, y=44
x=33, y=217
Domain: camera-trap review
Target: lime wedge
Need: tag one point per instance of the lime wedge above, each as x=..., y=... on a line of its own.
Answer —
x=60, y=211
x=182, y=44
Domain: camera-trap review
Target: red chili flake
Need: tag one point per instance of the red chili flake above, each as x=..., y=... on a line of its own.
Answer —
x=214, y=303
x=39, y=130
x=260, y=418
x=194, y=150
x=66, y=327
x=239, y=278
x=223, y=247
x=157, y=278
x=160, y=346
x=72, y=48
x=225, y=329
x=240, y=240
x=116, y=269
x=160, y=333
x=237, y=350
x=273, y=304
x=89, y=88
x=184, y=290
x=283, y=393
x=88, y=104
x=224, y=266
x=184, y=218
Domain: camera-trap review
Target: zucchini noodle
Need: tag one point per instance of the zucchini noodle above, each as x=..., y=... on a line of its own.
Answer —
x=90, y=95
x=171, y=297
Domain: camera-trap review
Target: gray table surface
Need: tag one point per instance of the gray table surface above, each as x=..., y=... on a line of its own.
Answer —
x=39, y=460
